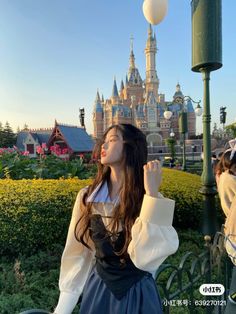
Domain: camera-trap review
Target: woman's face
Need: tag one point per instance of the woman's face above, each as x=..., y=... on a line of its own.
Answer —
x=112, y=148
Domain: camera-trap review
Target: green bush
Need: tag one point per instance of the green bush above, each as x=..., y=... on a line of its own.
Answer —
x=30, y=282
x=35, y=214
x=184, y=189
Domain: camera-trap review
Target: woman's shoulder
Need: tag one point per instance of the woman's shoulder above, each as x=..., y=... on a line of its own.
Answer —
x=226, y=176
x=82, y=191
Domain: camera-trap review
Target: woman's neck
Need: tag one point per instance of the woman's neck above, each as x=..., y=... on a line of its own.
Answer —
x=116, y=178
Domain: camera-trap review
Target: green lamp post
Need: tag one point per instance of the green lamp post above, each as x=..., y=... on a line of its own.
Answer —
x=207, y=57
x=183, y=129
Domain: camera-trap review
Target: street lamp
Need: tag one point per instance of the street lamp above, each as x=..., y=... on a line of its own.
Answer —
x=167, y=114
x=207, y=57
x=81, y=117
x=198, y=110
x=172, y=134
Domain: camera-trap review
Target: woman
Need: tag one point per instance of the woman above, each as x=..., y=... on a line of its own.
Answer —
x=120, y=232
x=226, y=183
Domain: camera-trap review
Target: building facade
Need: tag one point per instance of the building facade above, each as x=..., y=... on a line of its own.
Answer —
x=70, y=140
x=139, y=102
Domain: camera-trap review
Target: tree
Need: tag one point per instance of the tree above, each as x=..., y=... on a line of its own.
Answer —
x=170, y=142
x=1, y=135
x=9, y=137
x=232, y=128
x=25, y=127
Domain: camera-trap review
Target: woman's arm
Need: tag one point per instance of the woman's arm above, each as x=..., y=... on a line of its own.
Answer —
x=76, y=263
x=153, y=237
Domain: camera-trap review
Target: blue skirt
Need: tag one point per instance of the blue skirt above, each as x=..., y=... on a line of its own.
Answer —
x=141, y=298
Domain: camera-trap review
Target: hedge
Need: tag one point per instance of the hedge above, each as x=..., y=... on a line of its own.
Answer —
x=35, y=214
x=184, y=189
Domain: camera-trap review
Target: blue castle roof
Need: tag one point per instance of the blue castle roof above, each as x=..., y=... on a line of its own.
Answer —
x=42, y=136
x=190, y=106
x=97, y=104
x=114, y=89
x=77, y=138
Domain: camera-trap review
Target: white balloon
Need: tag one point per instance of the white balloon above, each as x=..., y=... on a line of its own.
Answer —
x=155, y=10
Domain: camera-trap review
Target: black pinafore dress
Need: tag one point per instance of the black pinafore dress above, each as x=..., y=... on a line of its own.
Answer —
x=115, y=285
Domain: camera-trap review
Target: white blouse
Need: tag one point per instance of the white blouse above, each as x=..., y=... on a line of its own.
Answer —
x=153, y=240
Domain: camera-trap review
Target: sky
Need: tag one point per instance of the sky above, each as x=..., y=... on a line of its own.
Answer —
x=55, y=54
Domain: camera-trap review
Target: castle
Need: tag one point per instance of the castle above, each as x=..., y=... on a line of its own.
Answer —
x=139, y=103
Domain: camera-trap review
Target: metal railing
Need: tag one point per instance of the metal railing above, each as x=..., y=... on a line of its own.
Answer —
x=179, y=287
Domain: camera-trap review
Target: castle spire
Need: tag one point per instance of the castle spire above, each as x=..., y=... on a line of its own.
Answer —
x=152, y=81
x=114, y=89
x=131, y=58
x=150, y=31
x=97, y=97
x=126, y=80
x=121, y=85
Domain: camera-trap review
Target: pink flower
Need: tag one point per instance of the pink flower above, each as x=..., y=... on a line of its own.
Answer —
x=58, y=151
x=44, y=146
x=26, y=153
x=39, y=150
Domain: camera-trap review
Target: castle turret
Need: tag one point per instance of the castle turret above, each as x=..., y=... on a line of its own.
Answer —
x=98, y=117
x=114, y=95
x=152, y=81
x=122, y=89
x=126, y=80
x=134, y=77
x=178, y=95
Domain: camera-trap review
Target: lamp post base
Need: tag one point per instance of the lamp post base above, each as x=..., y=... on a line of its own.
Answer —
x=209, y=224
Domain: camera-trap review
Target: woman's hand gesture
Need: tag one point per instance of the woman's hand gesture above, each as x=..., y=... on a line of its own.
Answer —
x=152, y=177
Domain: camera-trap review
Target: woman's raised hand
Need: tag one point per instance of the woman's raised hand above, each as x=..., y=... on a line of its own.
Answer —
x=152, y=177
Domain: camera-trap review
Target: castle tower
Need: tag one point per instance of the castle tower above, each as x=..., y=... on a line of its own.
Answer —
x=114, y=95
x=152, y=81
x=179, y=98
x=133, y=82
x=122, y=90
x=98, y=117
x=178, y=95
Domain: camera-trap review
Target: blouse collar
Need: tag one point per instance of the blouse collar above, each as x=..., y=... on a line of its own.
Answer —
x=102, y=196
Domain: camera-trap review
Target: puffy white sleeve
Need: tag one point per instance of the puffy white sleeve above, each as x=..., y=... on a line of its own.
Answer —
x=153, y=237
x=76, y=263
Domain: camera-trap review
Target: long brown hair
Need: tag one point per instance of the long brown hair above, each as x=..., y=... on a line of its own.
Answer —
x=225, y=162
x=132, y=191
